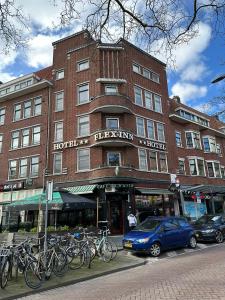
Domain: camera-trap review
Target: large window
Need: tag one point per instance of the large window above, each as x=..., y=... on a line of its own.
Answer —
x=178, y=139
x=37, y=106
x=158, y=104
x=113, y=159
x=148, y=100
x=59, y=101
x=138, y=96
x=2, y=116
x=149, y=74
x=196, y=166
x=1, y=142
x=150, y=129
x=83, y=65
x=12, y=169
x=112, y=123
x=163, y=162
x=58, y=132
x=27, y=109
x=143, y=163
x=193, y=140
x=140, y=127
x=57, y=163
x=209, y=144
x=83, y=93
x=23, y=167
x=34, y=166
x=36, y=135
x=83, y=126
x=25, y=137
x=153, y=160
x=15, y=139
x=160, y=132
x=17, y=112
x=213, y=169
x=83, y=159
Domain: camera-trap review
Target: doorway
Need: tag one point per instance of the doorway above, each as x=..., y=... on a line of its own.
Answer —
x=116, y=216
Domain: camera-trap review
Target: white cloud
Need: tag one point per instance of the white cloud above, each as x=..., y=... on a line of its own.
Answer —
x=194, y=72
x=188, y=91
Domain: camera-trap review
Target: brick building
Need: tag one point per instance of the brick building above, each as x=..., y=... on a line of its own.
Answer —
x=100, y=124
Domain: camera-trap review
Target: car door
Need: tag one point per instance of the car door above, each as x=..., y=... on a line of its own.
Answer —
x=170, y=235
x=222, y=226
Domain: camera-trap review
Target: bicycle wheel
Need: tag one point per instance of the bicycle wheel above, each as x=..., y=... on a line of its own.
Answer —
x=92, y=248
x=4, y=273
x=105, y=251
x=114, y=249
x=59, y=264
x=75, y=258
x=33, y=275
x=87, y=256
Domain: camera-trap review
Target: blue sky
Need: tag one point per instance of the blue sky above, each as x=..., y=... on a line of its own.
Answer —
x=197, y=63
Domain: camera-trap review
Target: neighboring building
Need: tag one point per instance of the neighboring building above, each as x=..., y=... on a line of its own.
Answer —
x=98, y=123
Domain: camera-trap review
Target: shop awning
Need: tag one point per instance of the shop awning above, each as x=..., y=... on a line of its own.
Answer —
x=72, y=201
x=206, y=189
x=37, y=201
x=154, y=191
x=81, y=189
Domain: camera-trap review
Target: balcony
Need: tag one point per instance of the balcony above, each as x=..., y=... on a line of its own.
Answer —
x=112, y=103
x=113, y=138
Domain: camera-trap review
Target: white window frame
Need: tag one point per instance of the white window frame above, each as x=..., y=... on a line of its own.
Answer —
x=15, y=167
x=80, y=86
x=140, y=89
x=54, y=162
x=196, y=164
x=27, y=109
x=157, y=165
x=138, y=67
x=59, y=98
x=15, y=145
x=1, y=142
x=26, y=166
x=79, y=133
x=37, y=133
x=59, y=74
x=78, y=160
x=159, y=102
x=111, y=118
x=17, y=111
x=180, y=134
x=140, y=118
x=111, y=86
x=153, y=129
x=58, y=133
x=193, y=140
x=83, y=62
x=2, y=115
x=24, y=137
x=32, y=174
x=140, y=157
x=37, y=106
x=166, y=160
x=213, y=165
x=163, y=131
x=183, y=160
x=151, y=99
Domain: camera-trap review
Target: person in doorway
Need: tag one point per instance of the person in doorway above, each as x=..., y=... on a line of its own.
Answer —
x=132, y=221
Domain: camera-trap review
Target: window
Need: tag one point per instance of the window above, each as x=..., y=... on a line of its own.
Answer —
x=155, y=77
x=15, y=140
x=209, y=144
x=148, y=100
x=163, y=162
x=83, y=93
x=58, y=132
x=219, y=149
x=2, y=116
x=146, y=73
x=12, y=169
x=140, y=127
x=143, y=165
x=153, y=160
x=178, y=139
x=1, y=142
x=59, y=74
x=37, y=106
x=193, y=140
x=25, y=137
x=83, y=159
x=160, y=132
x=138, y=96
x=222, y=169
x=36, y=135
x=196, y=166
x=59, y=101
x=181, y=166
x=150, y=129
x=83, y=126
x=112, y=123
x=158, y=104
x=113, y=159
x=83, y=65
x=213, y=169
x=34, y=166
x=23, y=167
x=27, y=109
x=57, y=163
x=136, y=68
x=192, y=117
x=111, y=89
x=17, y=112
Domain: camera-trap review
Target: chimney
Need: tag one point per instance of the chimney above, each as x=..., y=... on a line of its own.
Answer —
x=177, y=99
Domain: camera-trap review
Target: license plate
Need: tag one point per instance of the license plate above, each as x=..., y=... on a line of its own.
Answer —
x=128, y=245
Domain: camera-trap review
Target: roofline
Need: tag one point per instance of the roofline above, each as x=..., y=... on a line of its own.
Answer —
x=71, y=36
x=20, y=78
x=144, y=52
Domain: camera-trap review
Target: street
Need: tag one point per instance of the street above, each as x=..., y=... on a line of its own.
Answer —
x=195, y=275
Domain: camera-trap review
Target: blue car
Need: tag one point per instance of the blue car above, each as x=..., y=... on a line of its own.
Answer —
x=157, y=234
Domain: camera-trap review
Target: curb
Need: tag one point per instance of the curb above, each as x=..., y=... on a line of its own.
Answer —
x=74, y=281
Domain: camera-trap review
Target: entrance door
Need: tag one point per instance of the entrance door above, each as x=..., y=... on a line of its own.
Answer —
x=116, y=217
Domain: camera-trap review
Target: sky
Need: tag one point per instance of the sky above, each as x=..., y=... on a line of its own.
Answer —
x=197, y=62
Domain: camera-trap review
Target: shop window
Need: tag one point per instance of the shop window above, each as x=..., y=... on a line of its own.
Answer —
x=57, y=163
x=59, y=101
x=59, y=74
x=153, y=160
x=1, y=142
x=113, y=159
x=36, y=135
x=138, y=96
x=178, y=139
x=160, y=132
x=2, y=116
x=140, y=127
x=83, y=126
x=112, y=123
x=150, y=129
x=83, y=65
x=83, y=159
x=58, y=137
x=83, y=93
x=143, y=164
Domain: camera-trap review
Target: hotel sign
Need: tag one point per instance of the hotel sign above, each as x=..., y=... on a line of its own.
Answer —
x=117, y=134
x=70, y=144
x=152, y=144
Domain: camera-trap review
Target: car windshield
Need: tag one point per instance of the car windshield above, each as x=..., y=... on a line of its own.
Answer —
x=208, y=219
x=147, y=225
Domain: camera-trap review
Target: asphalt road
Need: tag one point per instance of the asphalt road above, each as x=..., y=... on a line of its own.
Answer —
x=198, y=275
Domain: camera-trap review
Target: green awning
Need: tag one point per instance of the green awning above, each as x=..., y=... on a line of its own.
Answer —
x=37, y=201
x=154, y=191
x=81, y=189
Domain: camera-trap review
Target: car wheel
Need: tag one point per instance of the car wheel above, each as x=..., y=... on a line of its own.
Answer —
x=219, y=237
x=192, y=242
x=155, y=250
